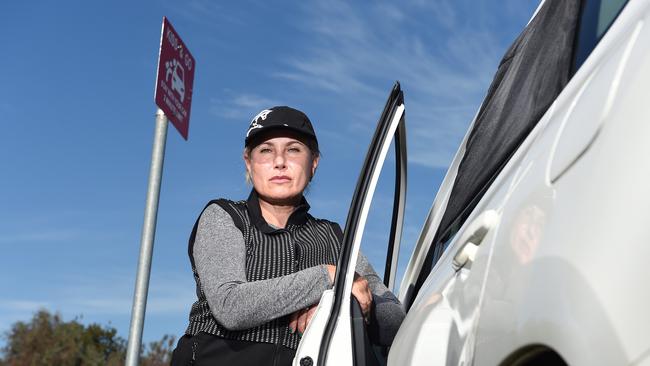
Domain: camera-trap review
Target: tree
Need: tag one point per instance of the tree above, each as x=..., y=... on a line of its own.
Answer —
x=159, y=353
x=48, y=340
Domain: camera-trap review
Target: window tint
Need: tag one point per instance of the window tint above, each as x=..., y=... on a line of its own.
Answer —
x=595, y=19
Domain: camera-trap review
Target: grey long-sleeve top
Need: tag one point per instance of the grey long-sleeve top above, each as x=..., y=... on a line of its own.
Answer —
x=220, y=260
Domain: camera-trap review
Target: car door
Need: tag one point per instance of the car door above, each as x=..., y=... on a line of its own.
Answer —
x=334, y=336
x=439, y=327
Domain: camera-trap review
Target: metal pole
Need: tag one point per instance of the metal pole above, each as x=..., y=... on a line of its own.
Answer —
x=146, y=243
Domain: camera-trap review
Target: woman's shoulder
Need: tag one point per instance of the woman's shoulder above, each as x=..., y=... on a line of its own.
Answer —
x=215, y=210
x=224, y=204
x=224, y=209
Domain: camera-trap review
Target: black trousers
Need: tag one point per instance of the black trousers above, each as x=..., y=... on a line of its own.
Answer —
x=207, y=349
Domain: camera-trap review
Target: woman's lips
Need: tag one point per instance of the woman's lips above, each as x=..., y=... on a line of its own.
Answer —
x=280, y=179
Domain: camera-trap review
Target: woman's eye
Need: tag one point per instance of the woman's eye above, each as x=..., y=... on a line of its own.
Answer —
x=265, y=150
x=294, y=149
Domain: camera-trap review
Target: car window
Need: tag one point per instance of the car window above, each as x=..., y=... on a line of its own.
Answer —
x=377, y=231
x=595, y=19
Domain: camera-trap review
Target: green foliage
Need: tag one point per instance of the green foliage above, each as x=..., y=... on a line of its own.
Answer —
x=48, y=340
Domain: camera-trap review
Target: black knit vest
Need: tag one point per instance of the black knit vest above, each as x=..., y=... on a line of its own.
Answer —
x=270, y=253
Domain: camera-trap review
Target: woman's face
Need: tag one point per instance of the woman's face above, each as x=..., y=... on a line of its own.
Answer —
x=280, y=167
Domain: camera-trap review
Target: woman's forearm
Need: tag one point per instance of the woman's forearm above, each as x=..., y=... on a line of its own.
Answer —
x=388, y=313
x=220, y=260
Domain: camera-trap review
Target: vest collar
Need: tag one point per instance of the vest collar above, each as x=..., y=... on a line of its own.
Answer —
x=297, y=217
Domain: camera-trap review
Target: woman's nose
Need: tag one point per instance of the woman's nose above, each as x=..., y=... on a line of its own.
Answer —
x=279, y=161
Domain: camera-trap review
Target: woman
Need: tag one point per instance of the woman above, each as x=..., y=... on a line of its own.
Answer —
x=261, y=265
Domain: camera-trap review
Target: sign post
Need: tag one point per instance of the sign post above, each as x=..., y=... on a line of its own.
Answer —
x=173, y=96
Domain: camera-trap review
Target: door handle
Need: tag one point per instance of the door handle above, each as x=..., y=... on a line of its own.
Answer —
x=472, y=237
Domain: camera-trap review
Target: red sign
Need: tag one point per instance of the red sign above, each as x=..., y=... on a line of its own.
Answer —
x=175, y=79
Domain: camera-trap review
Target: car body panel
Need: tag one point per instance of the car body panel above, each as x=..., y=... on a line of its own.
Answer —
x=575, y=294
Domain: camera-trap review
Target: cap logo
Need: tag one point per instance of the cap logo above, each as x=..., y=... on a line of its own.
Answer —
x=254, y=123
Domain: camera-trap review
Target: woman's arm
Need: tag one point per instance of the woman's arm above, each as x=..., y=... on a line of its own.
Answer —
x=220, y=260
x=387, y=314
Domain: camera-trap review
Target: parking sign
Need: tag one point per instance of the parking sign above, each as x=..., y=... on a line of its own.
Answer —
x=175, y=79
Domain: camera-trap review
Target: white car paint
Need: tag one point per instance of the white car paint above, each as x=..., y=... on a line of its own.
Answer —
x=310, y=346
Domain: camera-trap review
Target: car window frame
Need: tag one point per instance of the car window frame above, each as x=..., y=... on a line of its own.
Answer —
x=372, y=165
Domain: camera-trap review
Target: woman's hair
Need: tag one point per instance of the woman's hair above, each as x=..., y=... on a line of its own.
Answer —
x=311, y=144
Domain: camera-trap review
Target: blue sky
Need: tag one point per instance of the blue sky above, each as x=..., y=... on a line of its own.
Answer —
x=76, y=100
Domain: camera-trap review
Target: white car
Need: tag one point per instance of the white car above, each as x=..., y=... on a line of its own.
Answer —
x=534, y=251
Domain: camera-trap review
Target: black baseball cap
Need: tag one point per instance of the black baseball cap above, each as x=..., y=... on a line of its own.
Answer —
x=280, y=117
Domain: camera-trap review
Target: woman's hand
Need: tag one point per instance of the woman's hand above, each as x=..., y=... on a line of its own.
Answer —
x=299, y=319
x=331, y=271
x=360, y=290
x=362, y=293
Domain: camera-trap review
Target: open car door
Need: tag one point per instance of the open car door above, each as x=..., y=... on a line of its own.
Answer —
x=336, y=334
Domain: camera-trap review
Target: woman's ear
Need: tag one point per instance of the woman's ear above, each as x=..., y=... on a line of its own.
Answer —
x=314, y=165
x=247, y=161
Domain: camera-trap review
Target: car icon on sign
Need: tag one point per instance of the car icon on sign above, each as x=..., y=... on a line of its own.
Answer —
x=177, y=74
